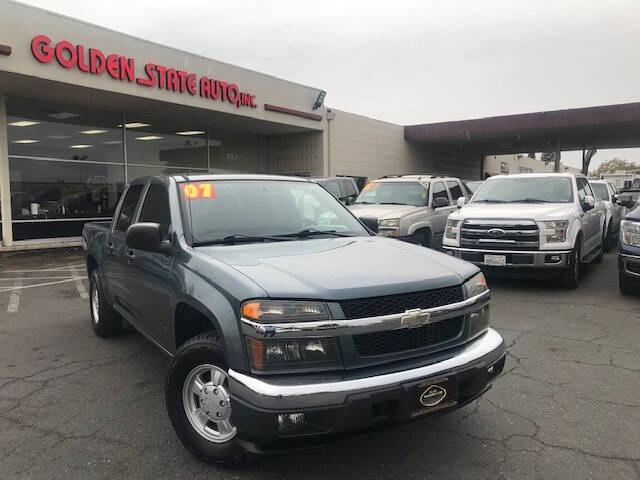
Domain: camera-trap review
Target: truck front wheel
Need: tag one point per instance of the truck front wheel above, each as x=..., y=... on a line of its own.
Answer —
x=571, y=276
x=104, y=319
x=199, y=403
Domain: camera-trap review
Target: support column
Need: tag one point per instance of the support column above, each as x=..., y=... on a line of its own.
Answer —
x=5, y=194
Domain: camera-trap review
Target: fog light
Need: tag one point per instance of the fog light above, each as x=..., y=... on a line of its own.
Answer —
x=553, y=258
x=290, y=421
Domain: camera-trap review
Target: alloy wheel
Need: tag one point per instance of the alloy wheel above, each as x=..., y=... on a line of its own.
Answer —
x=207, y=403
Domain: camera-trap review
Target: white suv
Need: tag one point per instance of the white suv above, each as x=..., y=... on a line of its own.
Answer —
x=548, y=221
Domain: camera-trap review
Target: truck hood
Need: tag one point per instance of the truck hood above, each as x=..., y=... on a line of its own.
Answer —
x=342, y=268
x=383, y=211
x=529, y=211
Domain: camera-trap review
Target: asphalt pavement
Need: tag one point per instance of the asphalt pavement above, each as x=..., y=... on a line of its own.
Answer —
x=73, y=405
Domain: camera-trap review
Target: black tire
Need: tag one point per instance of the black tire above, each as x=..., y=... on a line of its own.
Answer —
x=204, y=349
x=104, y=319
x=598, y=259
x=609, y=239
x=626, y=288
x=570, y=278
x=422, y=238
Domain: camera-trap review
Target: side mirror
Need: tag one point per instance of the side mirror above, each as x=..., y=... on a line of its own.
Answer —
x=624, y=200
x=148, y=237
x=370, y=222
x=590, y=202
x=440, y=202
x=348, y=200
x=461, y=202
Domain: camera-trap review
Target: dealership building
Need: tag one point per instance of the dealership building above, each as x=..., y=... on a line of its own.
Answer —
x=84, y=110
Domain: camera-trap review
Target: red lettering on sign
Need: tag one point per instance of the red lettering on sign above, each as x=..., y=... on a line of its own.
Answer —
x=127, y=68
x=41, y=48
x=122, y=68
x=82, y=65
x=97, y=62
x=66, y=54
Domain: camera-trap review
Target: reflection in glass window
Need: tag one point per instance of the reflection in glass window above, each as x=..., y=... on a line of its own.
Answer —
x=234, y=152
x=61, y=133
x=42, y=189
x=158, y=144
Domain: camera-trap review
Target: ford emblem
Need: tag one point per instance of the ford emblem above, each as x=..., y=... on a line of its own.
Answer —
x=496, y=232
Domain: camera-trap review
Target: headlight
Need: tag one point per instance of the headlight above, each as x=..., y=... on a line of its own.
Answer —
x=274, y=311
x=451, y=231
x=556, y=231
x=630, y=233
x=476, y=285
x=308, y=353
x=389, y=227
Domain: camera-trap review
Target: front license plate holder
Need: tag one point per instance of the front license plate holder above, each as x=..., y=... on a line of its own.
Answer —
x=432, y=395
x=495, y=260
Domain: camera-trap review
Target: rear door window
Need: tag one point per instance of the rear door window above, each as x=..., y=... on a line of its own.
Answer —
x=439, y=190
x=348, y=188
x=455, y=189
x=334, y=188
x=128, y=207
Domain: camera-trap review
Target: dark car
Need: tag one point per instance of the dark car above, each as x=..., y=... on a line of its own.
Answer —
x=344, y=189
x=287, y=320
x=629, y=245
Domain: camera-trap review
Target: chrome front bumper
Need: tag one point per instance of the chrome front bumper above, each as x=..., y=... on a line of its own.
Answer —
x=538, y=258
x=300, y=392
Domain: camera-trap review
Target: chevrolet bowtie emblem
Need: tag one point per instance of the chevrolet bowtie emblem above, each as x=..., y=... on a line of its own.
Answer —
x=415, y=318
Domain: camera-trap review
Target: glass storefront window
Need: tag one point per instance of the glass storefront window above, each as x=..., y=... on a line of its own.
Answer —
x=66, y=167
x=157, y=144
x=42, y=189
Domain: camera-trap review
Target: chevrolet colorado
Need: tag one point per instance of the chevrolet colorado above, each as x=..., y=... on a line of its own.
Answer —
x=537, y=221
x=286, y=318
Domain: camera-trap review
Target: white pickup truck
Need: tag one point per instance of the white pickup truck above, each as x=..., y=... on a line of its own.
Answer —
x=548, y=221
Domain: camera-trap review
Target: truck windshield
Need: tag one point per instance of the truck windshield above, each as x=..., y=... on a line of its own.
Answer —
x=394, y=193
x=264, y=210
x=525, y=190
x=601, y=191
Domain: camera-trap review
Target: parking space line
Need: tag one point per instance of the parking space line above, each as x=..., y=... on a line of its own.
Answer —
x=6, y=279
x=14, y=298
x=22, y=287
x=57, y=269
x=82, y=291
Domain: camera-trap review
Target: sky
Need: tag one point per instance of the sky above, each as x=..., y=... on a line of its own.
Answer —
x=409, y=61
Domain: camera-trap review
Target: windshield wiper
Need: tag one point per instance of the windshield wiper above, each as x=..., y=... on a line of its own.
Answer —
x=307, y=232
x=490, y=200
x=395, y=203
x=233, y=239
x=363, y=202
x=530, y=200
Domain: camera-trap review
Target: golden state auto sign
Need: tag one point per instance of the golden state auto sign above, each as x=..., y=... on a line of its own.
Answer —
x=93, y=61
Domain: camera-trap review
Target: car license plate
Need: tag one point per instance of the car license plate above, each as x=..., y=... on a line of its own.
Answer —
x=434, y=394
x=495, y=260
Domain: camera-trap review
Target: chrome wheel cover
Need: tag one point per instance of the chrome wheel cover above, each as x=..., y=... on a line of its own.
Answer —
x=206, y=402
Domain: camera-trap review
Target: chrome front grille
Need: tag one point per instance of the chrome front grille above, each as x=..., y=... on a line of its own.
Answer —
x=500, y=235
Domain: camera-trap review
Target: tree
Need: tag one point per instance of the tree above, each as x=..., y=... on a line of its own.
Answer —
x=611, y=166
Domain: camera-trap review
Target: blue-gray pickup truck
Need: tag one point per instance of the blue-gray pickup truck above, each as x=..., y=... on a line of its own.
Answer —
x=288, y=320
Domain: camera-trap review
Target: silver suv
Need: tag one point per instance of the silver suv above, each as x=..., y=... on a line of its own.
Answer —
x=412, y=208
